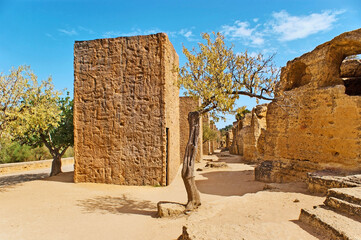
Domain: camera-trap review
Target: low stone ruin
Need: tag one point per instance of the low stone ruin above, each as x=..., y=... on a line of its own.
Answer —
x=315, y=122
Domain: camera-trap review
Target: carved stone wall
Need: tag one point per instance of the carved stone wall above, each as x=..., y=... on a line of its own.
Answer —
x=126, y=111
x=313, y=124
x=186, y=105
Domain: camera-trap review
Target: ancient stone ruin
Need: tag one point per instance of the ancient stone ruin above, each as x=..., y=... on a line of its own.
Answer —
x=246, y=133
x=315, y=122
x=186, y=105
x=126, y=111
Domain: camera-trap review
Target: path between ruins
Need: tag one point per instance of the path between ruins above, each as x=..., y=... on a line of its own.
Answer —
x=234, y=207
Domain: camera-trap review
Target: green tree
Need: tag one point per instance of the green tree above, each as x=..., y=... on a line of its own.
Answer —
x=218, y=76
x=242, y=114
x=208, y=133
x=57, y=138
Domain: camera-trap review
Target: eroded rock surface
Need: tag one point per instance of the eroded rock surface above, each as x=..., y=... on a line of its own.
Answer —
x=126, y=111
x=320, y=67
x=314, y=124
x=247, y=133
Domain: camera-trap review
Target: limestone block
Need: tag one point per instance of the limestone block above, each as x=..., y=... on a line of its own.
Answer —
x=314, y=123
x=320, y=67
x=168, y=209
x=126, y=111
x=350, y=68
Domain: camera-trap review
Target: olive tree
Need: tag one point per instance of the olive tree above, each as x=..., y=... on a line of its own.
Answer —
x=218, y=76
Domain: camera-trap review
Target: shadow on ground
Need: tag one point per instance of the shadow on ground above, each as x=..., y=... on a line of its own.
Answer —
x=229, y=183
x=118, y=205
x=310, y=230
x=16, y=179
x=65, y=177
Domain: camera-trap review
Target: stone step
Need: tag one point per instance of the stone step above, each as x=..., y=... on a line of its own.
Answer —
x=344, y=207
x=335, y=226
x=321, y=183
x=351, y=195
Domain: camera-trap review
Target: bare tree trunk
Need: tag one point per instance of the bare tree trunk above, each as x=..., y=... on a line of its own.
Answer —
x=194, y=199
x=56, y=165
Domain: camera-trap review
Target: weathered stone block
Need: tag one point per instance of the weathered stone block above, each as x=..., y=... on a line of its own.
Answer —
x=126, y=110
x=314, y=123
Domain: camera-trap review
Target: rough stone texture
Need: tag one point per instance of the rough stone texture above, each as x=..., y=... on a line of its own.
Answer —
x=216, y=165
x=247, y=133
x=239, y=130
x=333, y=225
x=186, y=105
x=350, y=68
x=252, y=134
x=320, y=183
x=213, y=144
x=229, y=139
x=340, y=217
x=206, y=146
x=168, y=209
x=321, y=67
x=313, y=125
x=125, y=104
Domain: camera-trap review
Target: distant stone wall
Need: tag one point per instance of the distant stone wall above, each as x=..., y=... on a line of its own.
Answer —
x=126, y=111
x=239, y=129
x=206, y=146
x=314, y=124
x=186, y=105
x=253, y=132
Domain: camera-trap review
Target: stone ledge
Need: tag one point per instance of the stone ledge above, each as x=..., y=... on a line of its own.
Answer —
x=26, y=166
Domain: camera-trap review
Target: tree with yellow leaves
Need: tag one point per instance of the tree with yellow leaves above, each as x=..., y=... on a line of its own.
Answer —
x=33, y=113
x=218, y=76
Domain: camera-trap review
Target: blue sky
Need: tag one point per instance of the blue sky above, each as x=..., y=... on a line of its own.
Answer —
x=42, y=33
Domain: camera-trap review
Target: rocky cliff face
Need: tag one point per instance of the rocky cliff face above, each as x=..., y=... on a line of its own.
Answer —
x=314, y=123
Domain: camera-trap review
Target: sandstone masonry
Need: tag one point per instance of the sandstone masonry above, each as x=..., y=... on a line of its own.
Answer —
x=314, y=123
x=126, y=111
x=186, y=105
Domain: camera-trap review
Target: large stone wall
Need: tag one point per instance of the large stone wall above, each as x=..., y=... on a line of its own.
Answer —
x=186, y=105
x=313, y=124
x=125, y=104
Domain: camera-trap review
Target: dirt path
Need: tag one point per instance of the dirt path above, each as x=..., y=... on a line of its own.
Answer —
x=234, y=206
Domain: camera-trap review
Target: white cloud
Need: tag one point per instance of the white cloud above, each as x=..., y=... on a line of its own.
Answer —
x=242, y=30
x=297, y=27
x=185, y=33
x=68, y=32
x=80, y=28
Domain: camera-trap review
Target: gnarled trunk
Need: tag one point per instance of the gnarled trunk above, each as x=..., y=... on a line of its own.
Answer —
x=56, y=165
x=194, y=199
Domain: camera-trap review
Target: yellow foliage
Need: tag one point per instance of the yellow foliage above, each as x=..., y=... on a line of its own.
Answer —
x=26, y=105
x=217, y=75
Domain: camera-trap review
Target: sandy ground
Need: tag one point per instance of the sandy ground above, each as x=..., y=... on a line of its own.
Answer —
x=234, y=206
